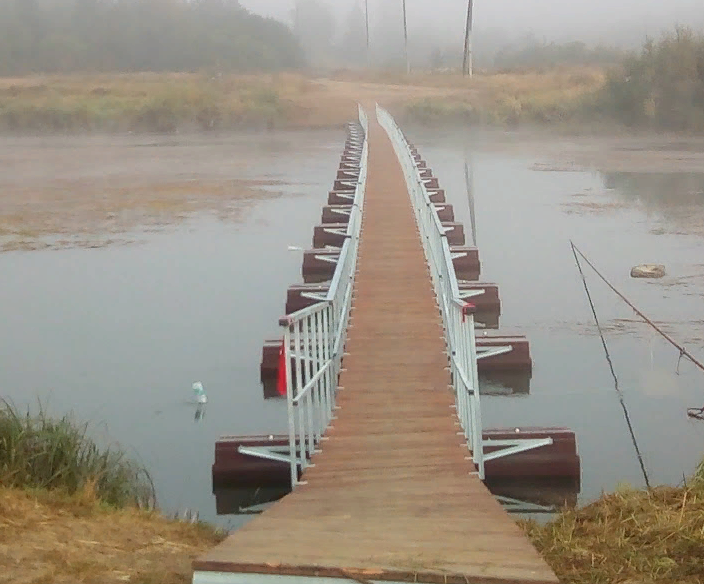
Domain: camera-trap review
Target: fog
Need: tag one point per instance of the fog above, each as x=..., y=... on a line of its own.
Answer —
x=623, y=23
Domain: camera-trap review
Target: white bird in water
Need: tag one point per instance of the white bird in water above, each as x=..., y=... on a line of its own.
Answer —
x=201, y=398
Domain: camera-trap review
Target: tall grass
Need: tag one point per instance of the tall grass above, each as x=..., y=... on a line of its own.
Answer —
x=38, y=451
x=142, y=102
x=660, y=88
x=631, y=535
x=509, y=99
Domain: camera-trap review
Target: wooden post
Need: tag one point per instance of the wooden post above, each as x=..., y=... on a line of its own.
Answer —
x=405, y=39
x=467, y=61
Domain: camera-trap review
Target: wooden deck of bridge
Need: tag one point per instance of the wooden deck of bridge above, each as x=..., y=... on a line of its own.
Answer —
x=391, y=496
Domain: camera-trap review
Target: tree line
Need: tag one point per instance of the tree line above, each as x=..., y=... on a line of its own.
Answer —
x=663, y=86
x=62, y=36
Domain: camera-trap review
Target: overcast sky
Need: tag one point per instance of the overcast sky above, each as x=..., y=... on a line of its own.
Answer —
x=591, y=20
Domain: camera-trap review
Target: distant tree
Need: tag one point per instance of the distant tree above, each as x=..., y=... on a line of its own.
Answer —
x=437, y=59
x=662, y=87
x=534, y=53
x=140, y=35
x=352, y=48
x=314, y=27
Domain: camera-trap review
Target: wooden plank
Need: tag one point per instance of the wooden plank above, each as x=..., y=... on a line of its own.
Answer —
x=392, y=495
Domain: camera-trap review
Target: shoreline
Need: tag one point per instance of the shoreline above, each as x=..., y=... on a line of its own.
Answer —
x=170, y=102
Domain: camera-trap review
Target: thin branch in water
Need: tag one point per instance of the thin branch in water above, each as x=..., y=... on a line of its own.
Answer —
x=697, y=413
x=611, y=368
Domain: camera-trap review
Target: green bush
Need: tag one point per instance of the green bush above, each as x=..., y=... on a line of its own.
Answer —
x=662, y=87
x=140, y=35
x=37, y=451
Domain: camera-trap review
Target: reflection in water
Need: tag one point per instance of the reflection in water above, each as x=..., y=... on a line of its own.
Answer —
x=524, y=248
x=122, y=332
x=504, y=384
x=197, y=302
x=535, y=496
x=663, y=190
x=516, y=496
x=676, y=196
x=469, y=182
x=247, y=501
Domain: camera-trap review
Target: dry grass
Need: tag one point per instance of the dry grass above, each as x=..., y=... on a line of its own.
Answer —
x=146, y=102
x=629, y=536
x=167, y=102
x=49, y=537
x=550, y=97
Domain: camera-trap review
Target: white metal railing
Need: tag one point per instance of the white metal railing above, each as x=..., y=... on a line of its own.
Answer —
x=314, y=337
x=457, y=315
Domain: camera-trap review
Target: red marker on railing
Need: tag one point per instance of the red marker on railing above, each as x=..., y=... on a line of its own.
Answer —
x=468, y=308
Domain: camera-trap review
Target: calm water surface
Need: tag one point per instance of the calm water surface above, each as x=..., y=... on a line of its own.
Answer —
x=525, y=219
x=118, y=335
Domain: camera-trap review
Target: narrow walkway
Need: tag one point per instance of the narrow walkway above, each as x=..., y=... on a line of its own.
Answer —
x=391, y=496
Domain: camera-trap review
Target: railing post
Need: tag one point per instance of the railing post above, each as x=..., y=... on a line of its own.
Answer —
x=478, y=441
x=315, y=392
x=329, y=401
x=314, y=339
x=290, y=406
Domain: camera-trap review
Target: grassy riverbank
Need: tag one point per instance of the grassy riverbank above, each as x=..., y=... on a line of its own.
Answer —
x=169, y=102
x=71, y=511
x=547, y=98
x=52, y=537
x=629, y=536
x=145, y=102
x=659, y=88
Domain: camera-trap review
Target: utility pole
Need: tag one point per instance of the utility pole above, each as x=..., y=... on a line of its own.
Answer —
x=467, y=61
x=405, y=39
x=366, y=17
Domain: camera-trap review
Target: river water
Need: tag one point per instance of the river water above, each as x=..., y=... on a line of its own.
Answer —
x=118, y=334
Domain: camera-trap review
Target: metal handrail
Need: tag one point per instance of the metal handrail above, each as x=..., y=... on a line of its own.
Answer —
x=314, y=339
x=457, y=315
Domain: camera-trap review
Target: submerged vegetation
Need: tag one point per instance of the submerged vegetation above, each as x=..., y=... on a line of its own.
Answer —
x=629, y=536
